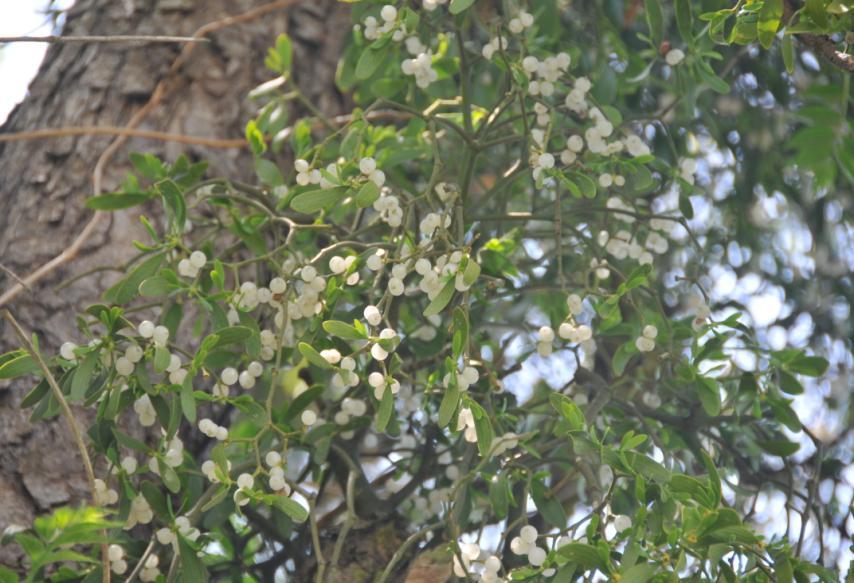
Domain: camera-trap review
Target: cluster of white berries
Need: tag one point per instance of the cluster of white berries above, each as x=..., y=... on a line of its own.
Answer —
x=172, y=457
x=212, y=430
x=277, y=481
x=150, y=570
x=623, y=244
x=140, y=512
x=168, y=536
x=116, y=554
x=520, y=22
x=544, y=74
x=374, y=29
x=159, y=335
x=350, y=408
x=389, y=208
x=526, y=544
x=576, y=99
x=464, y=378
x=492, y=47
x=144, y=410
x=541, y=162
x=305, y=174
x=346, y=375
x=646, y=341
x=190, y=267
x=420, y=67
x=368, y=168
x=245, y=378
x=432, y=221
x=103, y=495
x=606, y=180
x=469, y=553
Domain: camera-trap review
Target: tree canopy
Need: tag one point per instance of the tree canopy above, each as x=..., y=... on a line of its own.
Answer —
x=565, y=297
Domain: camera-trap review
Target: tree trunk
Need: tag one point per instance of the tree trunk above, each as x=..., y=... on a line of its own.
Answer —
x=43, y=184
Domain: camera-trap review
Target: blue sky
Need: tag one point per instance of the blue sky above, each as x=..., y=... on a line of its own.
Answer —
x=20, y=61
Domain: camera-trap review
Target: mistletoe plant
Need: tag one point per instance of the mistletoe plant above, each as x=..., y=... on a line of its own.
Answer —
x=474, y=309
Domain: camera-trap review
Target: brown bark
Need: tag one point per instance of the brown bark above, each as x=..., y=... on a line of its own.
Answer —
x=43, y=184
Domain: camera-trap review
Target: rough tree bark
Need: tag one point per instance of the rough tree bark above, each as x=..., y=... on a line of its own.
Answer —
x=43, y=183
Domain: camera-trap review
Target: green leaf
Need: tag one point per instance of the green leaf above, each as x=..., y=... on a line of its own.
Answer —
x=788, y=51
x=769, y=21
x=370, y=60
x=622, y=356
x=638, y=574
x=230, y=335
x=156, y=286
x=714, y=477
x=316, y=200
x=568, y=410
x=780, y=447
x=585, y=184
x=255, y=138
x=268, y=172
x=709, y=395
x=284, y=52
x=385, y=410
x=302, y=401
x=128, y=288
x=188, y=401
x=173, y=200
x=458, y=6
x=292, y=509
x=313, y=356
x=471, y=272
x=162, y=357
x=460, y=338
x=811, y=366
x=817, y=12
x=82, y=376
x=343, y=330
x=685, y=21
x=711, y=79
x=369, y=193
x=499, y=496
x=18, y=366
x=192, y=567
x=130, y=442
x=549, y=506
x=585, y=555
x=440, y=301
x=789, y=384
x=116, y=200
x=655, y=20
x=485, y=433
x=449, y=403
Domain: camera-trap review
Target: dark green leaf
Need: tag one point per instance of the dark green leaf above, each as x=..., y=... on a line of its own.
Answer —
x=385, y=410
x=316, y=200
x=440, y=301
x=116, y=200
x=458, y=6
x=313, y=356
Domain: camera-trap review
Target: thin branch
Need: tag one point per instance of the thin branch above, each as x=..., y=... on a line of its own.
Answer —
x=102, y=39
x=70, y=420
x=64, y=132
x=823, y=45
